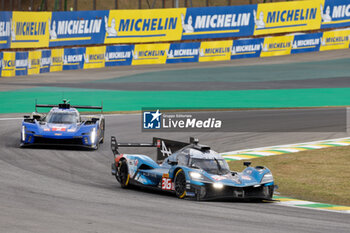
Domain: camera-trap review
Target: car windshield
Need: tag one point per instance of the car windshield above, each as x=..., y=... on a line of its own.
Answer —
x=213, y=166
x=62, y=118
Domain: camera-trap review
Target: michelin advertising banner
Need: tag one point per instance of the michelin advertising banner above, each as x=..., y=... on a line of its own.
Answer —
x=150, y=54
x=94, y=57
x=183, y=52
x=73, y=58
x=215, y=51
x=51, y=60
x=130, y=26
x=119, y=55
x=8, y=64
x=77, y=28
x=5, y=29
x=56, y=61
x=282, y=17
x=338, y=39
x=306, y=43
x=45, y=62
x=21, y=63
x=246, y=48
x=218, y=22
x=54, y=29
x=276, y=46
x=335, y=13
x=30, y=29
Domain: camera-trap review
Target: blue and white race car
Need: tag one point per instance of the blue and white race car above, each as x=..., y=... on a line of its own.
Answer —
x=190, y=170
x=63, y=125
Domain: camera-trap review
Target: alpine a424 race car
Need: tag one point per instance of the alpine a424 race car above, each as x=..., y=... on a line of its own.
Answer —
x=190, y=170
x=63, y=125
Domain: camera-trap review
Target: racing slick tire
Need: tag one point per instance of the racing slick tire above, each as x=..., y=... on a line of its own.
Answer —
x=123, y=174
x=103, y=132
x=180, y=184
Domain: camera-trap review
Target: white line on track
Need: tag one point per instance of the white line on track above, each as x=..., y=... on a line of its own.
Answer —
x=11, y=118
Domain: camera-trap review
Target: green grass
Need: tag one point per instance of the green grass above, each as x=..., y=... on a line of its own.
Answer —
x=22, y=101
x=321, y=175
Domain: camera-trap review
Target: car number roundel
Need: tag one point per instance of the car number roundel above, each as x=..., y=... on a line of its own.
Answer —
x=166, y=183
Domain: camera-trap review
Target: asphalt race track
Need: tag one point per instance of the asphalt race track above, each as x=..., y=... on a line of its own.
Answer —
x=72, y=190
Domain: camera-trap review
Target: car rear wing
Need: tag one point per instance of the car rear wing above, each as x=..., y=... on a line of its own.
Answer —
x=66, y=105
x=165, y=147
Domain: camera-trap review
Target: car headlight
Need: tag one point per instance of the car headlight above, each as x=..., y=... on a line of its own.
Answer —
x=23, y=133
x=199, y=177
x=267, y=178
x=93, y=135
x=218, y=185
x=195, y=175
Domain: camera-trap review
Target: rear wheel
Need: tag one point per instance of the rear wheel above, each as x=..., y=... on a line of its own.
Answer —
x=123, y=174
x=102, y=132
x=180, y=184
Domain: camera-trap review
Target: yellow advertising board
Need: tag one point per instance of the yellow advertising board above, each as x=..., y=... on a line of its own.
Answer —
x=8, y=64
x=56, y=60
x=215, y=51
x=276, y=46
x=335, y=40
x=127, y=26
x=30, y=29
x=287, y=17
x=150, y=54
x=94, y=57
x=34, y=59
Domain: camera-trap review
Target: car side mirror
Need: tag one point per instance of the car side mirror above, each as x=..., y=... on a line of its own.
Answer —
x=172, y=163
x=247, y=163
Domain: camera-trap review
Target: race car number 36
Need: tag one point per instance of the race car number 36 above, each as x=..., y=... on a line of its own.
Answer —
x=167, y=184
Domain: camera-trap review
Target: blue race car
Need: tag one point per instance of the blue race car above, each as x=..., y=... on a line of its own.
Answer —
x=63, y=125
x=190, y=170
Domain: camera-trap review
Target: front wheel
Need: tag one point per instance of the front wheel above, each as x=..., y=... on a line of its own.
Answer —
x=123, y=174
x=180, y=184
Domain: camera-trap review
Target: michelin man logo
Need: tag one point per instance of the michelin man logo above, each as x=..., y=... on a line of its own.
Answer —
x=13, y=29
x=152, y=120
x=259, y=22
x=201, y=53
x=264, y=48
x=170, y=54
x=188, y=28
x=52, y=30
x=110, y=30
x=233, y=50
x=294, y=44
x=135, y=54
x=326, y=17
x=86, y=58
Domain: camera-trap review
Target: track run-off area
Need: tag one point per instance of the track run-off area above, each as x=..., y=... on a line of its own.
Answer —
x=72, y=190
